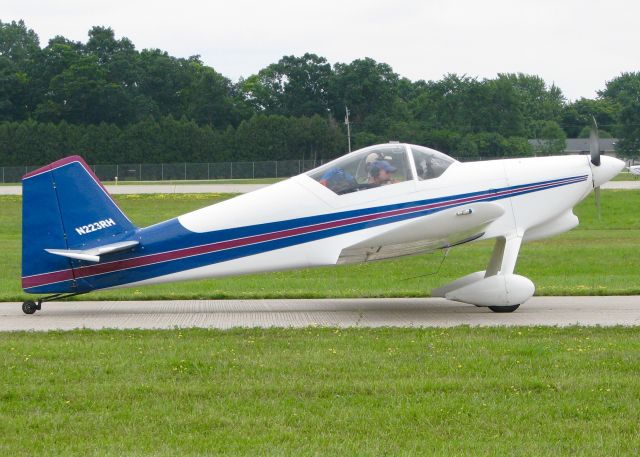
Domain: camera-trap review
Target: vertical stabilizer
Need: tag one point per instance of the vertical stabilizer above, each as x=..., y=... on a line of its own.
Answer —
x=65, y=207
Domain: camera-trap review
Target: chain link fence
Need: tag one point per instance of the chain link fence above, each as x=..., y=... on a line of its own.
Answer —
x=183, y=171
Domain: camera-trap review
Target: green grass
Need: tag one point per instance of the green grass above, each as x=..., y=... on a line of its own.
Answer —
x=600, y=257
x=460, y=391
x=625, y=176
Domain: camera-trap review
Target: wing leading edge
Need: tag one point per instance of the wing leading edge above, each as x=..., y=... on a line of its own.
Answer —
x=424, y=234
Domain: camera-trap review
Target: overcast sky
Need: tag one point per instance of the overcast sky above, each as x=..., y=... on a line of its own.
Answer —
x=576, y=44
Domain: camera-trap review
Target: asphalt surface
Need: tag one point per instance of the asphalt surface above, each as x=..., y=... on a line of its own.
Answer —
x=397, y=312
x=624, y=185
x=231, y=188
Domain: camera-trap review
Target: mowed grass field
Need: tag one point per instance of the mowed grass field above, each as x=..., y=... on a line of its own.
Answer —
x=599, y=257
x=518, y=391
x=364, y=392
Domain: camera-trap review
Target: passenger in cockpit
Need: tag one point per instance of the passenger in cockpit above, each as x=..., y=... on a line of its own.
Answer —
x=381, y=173
x=338, y=181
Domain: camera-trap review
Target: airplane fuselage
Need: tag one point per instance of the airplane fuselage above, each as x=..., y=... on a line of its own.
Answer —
x=299, y=223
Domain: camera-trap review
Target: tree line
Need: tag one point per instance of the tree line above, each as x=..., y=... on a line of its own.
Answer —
x=108, y=101
x=167, y=140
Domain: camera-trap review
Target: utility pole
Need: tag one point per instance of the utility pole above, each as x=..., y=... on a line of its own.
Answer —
x=346, y=121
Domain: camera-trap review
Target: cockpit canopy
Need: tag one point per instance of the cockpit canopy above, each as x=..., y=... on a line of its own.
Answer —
x=381, y=165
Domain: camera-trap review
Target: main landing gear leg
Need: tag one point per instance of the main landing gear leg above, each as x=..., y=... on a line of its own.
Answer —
x=497, y=287
x=30, y=306
x=503, y=261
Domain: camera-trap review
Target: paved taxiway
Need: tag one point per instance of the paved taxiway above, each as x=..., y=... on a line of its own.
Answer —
x=397, y=312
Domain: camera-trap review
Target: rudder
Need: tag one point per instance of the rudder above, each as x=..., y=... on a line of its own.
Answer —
x=65, y=207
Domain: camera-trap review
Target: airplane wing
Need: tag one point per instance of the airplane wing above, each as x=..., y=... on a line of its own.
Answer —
x=427, y=233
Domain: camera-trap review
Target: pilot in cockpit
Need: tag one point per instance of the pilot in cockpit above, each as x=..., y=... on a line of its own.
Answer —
x=381, y=173
x=373, y=157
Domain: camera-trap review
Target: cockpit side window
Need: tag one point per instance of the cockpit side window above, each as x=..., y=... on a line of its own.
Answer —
x=430, y=164
x=366, y=169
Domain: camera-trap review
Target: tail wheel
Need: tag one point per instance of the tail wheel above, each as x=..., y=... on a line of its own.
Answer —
x=29, y=307
x=504, y=309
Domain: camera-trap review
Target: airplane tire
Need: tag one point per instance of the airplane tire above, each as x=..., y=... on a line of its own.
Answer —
x=504, y=309
x=29, y=307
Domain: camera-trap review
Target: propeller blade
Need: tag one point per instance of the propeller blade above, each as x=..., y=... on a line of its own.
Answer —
x=594, y=143
x=597, y=195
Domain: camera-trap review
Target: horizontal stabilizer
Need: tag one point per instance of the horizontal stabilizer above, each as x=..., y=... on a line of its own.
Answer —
x=93, y=254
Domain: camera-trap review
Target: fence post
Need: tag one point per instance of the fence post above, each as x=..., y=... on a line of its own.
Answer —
x=3, y=174
x=117, y=171
x=140, y=172
x=185, y=171
x=299, y=167
x=276, y=168
x=208, y=171
x=161, y=172
x=253, y=170
x=231, y=170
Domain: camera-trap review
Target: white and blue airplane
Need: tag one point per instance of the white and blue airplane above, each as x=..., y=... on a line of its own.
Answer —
x=379, y=202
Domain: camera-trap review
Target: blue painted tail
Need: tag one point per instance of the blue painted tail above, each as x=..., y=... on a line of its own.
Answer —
x=65, y=207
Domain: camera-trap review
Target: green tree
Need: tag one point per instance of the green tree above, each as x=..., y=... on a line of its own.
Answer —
x=367, y=87
x=552, y=137
x=624, y=91
x=294, y=86
x=19, y=44
x=122, y=72
x=10, y=84
x=161, y=80
x=576, y=116
x=539, y=101
x=57, y=57
x=19, y=55
x=209, y=97
x=78, y=94
x=263, y=137
x=504, y=111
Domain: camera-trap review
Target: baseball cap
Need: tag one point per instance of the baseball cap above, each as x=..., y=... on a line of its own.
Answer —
x=384, y=165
